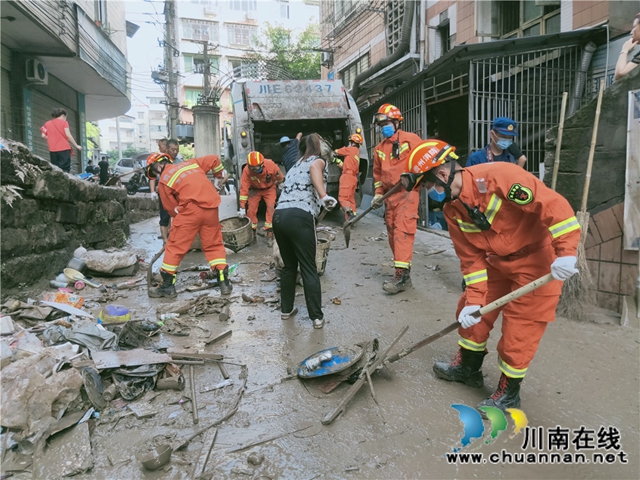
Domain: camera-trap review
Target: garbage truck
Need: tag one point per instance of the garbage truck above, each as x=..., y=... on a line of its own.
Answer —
x=265, y=111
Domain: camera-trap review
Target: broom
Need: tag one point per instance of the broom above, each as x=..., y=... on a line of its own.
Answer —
x=576, y=297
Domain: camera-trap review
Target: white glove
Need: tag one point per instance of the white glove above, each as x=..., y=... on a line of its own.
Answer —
x=328, y=202
x=154, y=195
x=377, y=202
x=466, y=319
x=242, y=213
x=563, y=268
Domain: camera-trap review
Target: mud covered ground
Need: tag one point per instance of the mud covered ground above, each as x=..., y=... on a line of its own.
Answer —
x=585, y=374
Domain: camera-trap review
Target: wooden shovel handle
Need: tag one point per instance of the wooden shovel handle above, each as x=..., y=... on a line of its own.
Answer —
x=355, y=220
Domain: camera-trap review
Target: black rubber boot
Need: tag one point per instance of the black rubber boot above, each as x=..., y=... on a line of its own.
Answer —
x=401, y=281
x=507, y=395
x=466, y=367
x=167, y=289
x=223, y=280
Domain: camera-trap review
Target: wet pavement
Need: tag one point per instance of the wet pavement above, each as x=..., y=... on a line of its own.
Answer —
x=584, y=374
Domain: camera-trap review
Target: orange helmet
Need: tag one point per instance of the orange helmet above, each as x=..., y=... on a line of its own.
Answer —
x=155, y=158
x=387, y=112
x=424, y=157
x=255, y=159
x=356, y=138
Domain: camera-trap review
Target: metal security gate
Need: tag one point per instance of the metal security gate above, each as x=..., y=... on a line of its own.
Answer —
x=526, y=87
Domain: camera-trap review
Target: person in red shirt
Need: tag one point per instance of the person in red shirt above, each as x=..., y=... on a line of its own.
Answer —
x=401, y=208
x=59, y=137
x=192, y=201
x=508, y=229
x=258, y=182
x=350, y=165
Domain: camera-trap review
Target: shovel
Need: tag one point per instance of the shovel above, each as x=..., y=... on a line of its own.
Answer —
x=346, y=228
x=528, y=288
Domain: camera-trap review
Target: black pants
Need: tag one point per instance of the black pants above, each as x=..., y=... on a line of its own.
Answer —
x=61, y=159
x=165, y=219
x=295, y=232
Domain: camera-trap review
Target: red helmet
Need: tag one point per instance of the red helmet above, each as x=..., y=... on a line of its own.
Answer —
x=255, y=159
x=356, y=138
x=387, y=112
x=424, y=157
x=155, y=158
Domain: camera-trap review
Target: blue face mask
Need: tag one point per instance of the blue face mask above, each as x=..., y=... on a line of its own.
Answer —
x=437, y=196
x=259, y=170
x=387, y=131
x=503, y=143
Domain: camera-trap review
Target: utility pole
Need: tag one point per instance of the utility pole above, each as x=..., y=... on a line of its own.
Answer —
x=118, y=138
x=207, y=73
x=170, y=51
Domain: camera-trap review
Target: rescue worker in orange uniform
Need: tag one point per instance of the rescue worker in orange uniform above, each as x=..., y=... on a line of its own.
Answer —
x=258, y=182
x=401, y=209
x=350, y=166
x=508, y=229
x=192, y=201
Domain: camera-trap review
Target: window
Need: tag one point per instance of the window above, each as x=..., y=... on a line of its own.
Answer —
x=526, y=18
x=284, y=9
x=200, y=30
x=157, y=128
x=445, y=37
x=241, y=34
x=156, y=100
x=157, y=115
x=349, y=74
x=140, y=115
x=207, y=3
x=195, y=64
x=191, y=96
x=342, y=8
x=244, y=68
x=100, y=11
x=243, y=5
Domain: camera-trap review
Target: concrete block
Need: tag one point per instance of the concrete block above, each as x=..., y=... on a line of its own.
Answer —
x=33, y=267
x=611, y=251
x=53, y=185
x=70, y=213
x=593, y=253
x=618, y=212
x=630, y=257
x=608, y=300
x=14, y=242
x=20, y=214
x=594, y=268
x=609, y=277
x=607, y=225
x=593, y=230
x=628, y=279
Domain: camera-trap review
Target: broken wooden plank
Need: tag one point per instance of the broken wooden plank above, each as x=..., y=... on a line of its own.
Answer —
x=207, y=446
x=128, y=358
x=178, y=354
x=225, y=314
x=217, y=338
x=268, y=439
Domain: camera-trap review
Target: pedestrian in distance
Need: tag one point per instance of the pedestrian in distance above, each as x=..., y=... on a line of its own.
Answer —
x=501, y=148
x=294, y=225
x=192, y=201
x=162, y=145
x=259, y=181
x=90, y=168
x=401, y=209
x=103, y=165
x=508, y=229
x=624, y=66
x=350, y=166
x=59, y=139
x=290, y=151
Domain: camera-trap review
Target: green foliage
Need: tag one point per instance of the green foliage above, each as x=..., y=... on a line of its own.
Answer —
x=93, y=136
x=296, y=55
x=129, y=152
x=187, y=152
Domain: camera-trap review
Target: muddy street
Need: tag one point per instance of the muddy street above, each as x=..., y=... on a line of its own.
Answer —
x=585, y=374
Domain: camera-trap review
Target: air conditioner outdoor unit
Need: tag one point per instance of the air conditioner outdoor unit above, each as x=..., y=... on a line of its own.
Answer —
x=251, y=15
x=327, y=58
x=36, y=72
x=210, y=10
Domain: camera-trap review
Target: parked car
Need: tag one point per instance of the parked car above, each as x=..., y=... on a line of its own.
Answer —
x=127, y=165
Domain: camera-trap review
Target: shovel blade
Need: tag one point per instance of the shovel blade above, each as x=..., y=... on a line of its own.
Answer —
x=347, y=233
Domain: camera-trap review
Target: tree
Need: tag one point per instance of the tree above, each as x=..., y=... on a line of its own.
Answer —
x=186, y=151
x=296, y=55
x=93, y=137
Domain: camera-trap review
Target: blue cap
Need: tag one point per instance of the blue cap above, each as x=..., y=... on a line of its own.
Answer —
x=285, y=139
x=505, y=126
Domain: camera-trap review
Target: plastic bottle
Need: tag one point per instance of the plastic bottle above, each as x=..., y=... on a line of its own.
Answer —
x=233, y=268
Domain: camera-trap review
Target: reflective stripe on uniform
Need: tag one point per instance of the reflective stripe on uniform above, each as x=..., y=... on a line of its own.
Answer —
x=404, y=147
x=564, y=227
x=401, y=264
x=219, y=168
x=377, y=184
x=509, y=371
x=473, y=346
x=267, y=225
x=169, y=268
x=493, y=207
x=179, y=172
x=381, y=155
x=218, y=261
x=475, y=277
x=243, y=197
x=356, y=157
x=467, y=227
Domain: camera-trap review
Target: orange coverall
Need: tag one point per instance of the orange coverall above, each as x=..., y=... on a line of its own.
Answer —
x=185, y=187
x=257, y=186
x=531, y=225
x=349, y=177
x=401, y=208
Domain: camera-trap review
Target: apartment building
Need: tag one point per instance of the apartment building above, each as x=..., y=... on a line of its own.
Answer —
x=227, y=27
x=68, y=54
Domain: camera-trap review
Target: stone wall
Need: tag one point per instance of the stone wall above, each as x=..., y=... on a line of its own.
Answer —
x=614, y=270
x=57, y=213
